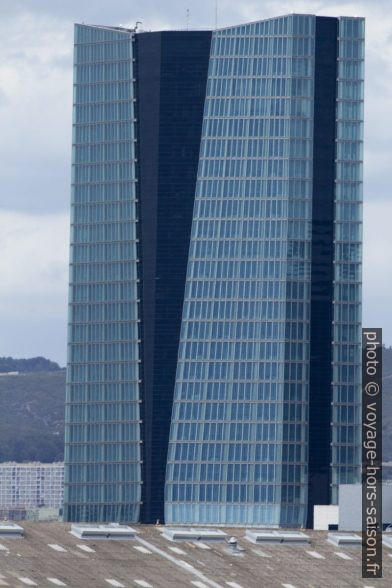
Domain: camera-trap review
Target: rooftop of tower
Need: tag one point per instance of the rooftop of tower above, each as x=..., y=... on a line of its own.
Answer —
x=121, y=28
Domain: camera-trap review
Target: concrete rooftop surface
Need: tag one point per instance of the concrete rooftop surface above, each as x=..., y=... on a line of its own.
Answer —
x=49, y=555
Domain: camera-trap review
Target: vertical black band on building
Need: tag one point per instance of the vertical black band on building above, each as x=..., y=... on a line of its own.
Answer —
x=322, y=273
x=148, y=65
x=171, y=83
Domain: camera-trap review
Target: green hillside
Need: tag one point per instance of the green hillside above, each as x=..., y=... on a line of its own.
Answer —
x=32, y=416
x=33, y=364
x=387, y=404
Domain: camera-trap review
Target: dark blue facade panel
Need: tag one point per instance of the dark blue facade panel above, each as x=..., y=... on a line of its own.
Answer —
x=171, y=84
x=322, y=272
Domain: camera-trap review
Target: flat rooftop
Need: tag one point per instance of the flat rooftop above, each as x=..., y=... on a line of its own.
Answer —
x=49, y=555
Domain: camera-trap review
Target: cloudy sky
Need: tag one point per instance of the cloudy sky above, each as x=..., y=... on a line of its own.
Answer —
x=35, y=145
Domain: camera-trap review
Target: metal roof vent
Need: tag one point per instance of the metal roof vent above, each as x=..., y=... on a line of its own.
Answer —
x=233, y=547
x=344, y=539
x=274, y=537
x=11, y=530
x=109, y=531
x=190, y=534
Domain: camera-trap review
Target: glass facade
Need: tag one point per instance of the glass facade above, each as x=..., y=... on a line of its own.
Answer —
x=102, y=443
x=346, y=416
x=238, y=449
x=137, y=123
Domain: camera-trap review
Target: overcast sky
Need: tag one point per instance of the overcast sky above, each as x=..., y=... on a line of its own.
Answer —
x=36, y=39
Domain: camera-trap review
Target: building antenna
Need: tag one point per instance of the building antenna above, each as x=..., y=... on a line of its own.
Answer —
x=216, y=14
x=187, y=19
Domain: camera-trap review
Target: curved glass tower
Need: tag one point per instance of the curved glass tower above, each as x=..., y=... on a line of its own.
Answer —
x=102, y=444
x=138, y=110
x=270, y=330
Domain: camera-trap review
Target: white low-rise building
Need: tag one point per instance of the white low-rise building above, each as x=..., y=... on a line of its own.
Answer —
x=31, y=485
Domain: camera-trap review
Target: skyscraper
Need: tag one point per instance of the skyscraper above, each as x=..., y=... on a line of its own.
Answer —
x=265, y=417
x=138, y=107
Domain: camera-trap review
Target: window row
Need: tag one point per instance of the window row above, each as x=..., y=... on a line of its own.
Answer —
x=102, y=412
x=104, y=332
x=231, y=411
x=103, y=72
x=106, y=51
x=226, y=473
x=234, y=370
x=91, y=513
x=263, y=147
x=105, y=492
x=104, y=372
x=241, y=391
x=104, y=252
x=260, y=46
x=233, y=452
x=239, y=107
x=96, y=113
x=103, y=312
x=348, y=231
x=118, y=231
x=111, y=292
x=105, y=352
x=235, y=309
x=260, y=210
x=92, y=34
x=245, y=330
x=90, y=432
x=257, y=127
x=351, y=48
x=95, y=393
x=105, y=212
x=101, y=473
x=293, y=24
x=97, y=132
x=247, y=289
x=104, y=152
x=104, y=172
x=347, y=392
x=102, y=452
x=350, y=313
x=102, y=92
x=230, y=493
x=227, y=350
x=247, y=192
x=231, y=432
x=243, y=86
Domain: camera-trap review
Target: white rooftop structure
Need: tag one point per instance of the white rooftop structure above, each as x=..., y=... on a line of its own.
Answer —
x=10, y=530
x=109, y=531
x=345, y=539
x=193, y=534
x=272, y=536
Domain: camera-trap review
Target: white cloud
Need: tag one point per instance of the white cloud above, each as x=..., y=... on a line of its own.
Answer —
x=377, y=275
x=33, y=263
x=35, y=112
x=34, y=278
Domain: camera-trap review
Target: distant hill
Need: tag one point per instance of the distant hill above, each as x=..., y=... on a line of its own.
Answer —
x=387, y=405
x=32, y=415
x=34, y=364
